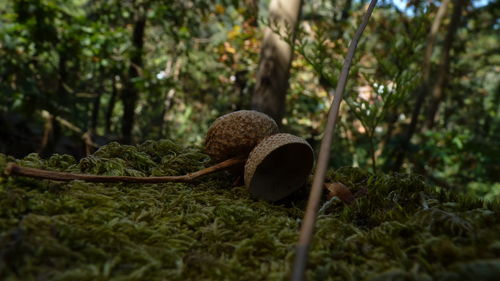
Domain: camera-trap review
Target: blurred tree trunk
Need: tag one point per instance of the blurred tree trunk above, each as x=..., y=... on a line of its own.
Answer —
x=341, y=19
x=51, y=130
x=96, y=104
x=48, y=141
x=422, y=90
x=438, y=90
x=253, y=12
x=130, y=93
x=346, y=11
x=241, y=82
x=275, y=59
x=111, y=106
x=63, y=77
x=342, y=16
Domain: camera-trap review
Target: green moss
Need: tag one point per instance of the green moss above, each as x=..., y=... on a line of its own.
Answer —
x=401, y=230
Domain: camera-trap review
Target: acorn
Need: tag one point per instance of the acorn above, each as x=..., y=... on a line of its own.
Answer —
x=237, y=133
x=277, y=166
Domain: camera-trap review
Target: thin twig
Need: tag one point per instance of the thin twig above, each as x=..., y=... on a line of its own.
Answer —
x=307, y=228
x=13, y=169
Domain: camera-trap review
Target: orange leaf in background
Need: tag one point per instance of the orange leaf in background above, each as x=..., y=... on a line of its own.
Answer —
x=233, y=33
x=219, y=9
x=229, y=48
x=339, y=190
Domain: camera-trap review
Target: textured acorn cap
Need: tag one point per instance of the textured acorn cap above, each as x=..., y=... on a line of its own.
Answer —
x=277, y=166
x=237, y=133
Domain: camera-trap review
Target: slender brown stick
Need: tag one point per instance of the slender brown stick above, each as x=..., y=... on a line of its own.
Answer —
x=13, y=169
x=307, y=228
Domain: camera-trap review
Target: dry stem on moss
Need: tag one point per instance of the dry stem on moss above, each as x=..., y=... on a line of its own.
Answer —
x=13, y=169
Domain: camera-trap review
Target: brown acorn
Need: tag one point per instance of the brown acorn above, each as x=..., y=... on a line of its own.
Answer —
x=237, y=133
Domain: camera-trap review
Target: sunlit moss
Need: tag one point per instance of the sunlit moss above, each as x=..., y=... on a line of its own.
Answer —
x=209, y=230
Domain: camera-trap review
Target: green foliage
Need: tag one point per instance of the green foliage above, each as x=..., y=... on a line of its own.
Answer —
x=401, y=229
x=72, y=59
x=382, y=90
x=382, y=77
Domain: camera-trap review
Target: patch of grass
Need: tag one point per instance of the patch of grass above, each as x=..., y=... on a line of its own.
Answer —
x=401, y=230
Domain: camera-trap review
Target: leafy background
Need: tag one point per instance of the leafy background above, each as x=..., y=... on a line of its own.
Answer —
x=71, y=61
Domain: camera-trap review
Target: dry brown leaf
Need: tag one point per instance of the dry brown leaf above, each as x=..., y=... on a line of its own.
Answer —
x=339, y=190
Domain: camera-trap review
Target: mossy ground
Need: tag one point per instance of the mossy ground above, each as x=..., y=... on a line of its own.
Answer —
x=209, y=230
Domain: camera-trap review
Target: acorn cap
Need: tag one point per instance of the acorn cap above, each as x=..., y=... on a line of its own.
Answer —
x=277, y=166
x=237, y=133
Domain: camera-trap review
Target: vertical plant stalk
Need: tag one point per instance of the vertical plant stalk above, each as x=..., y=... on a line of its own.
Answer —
x=307, y=228
x=111, y=105
x=130, y=94
x=443, y=73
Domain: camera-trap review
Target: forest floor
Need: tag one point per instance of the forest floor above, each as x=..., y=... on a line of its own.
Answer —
x=402, y=229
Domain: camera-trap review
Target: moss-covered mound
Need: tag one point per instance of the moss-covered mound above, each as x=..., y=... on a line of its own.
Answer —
x=400, y=230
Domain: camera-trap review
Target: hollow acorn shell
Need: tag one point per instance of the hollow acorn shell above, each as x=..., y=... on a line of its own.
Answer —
x=237, y=133
x=277, y=166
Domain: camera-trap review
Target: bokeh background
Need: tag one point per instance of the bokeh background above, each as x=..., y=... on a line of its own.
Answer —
x=77, y=74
